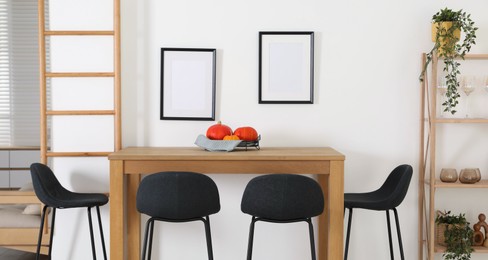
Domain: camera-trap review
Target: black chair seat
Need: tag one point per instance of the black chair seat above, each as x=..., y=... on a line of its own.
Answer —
x=282, y=198
x=388, y=196
x=79, y=200
x=177, y=197
x=372, y=201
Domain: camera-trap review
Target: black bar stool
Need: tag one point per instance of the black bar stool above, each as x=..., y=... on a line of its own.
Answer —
x=282, y=198
x=389, y=196
x=55, y=196
x=177, y=197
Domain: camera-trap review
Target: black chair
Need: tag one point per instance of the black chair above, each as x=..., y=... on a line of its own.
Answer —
x=177, y=197
x=387, y=197
x=282, y=198
x=53, y=195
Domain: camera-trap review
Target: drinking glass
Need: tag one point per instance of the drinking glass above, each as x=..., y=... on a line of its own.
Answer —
x=467, y=85
x=442, y=89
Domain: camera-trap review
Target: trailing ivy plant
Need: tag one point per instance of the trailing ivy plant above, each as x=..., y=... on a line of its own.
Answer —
x=459, y=241
x=458, y=236
x=449, y=49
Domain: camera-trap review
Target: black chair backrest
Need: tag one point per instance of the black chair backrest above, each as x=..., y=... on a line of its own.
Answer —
x=283, y=197
x=395, y=187
x=46, y=185
x=178, y=195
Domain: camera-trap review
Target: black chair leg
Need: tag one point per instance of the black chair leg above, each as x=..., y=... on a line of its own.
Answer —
x=94, y=253
x=52, y=232
x=41, y=230
x=144, y=245
x=389, y=234
x=148, y=239
x=208, y=235
x=399, y=234
x=251, y=238
x=349, y=222
x=101, y=233
x=151, y=236
x=312, y=238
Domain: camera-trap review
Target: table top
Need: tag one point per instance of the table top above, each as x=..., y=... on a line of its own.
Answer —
x=195, y=153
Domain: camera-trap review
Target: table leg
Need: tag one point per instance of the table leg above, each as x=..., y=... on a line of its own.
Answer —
x=323, y=220
x=116, y=210
x=336, y=210
x=133, y=218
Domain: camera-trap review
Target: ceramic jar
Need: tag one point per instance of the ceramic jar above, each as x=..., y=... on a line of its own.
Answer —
x=449, y=175
x=470, y=175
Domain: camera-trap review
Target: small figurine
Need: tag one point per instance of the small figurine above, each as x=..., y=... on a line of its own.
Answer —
x=478, y=238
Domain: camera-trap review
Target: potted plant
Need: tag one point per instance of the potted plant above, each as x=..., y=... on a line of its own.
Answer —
x=454, y=232
x=447, y=25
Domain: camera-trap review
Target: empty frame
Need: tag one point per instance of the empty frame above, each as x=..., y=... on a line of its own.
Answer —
x=188, y=84
x=286, y=67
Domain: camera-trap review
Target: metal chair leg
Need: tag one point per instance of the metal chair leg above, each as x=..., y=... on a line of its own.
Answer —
x=349, y=222
x=399, y=234
x=101, y=233
x=52, y=232
x=90, y=224
x=312, y=238
x=251, y=238
x=146, y=235
x=389, y=234
x=41, y=228
x=151, y=235
x=206, y=222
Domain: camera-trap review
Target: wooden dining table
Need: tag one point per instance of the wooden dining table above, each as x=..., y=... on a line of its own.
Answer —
x=127, y=166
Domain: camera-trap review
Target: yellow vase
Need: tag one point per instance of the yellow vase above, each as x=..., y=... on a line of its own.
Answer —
x=444, y=26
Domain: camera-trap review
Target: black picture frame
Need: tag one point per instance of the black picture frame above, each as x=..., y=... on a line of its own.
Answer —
x=188, y=84
x=286, y=67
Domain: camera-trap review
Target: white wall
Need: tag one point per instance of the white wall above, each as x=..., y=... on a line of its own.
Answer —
x=367, y=62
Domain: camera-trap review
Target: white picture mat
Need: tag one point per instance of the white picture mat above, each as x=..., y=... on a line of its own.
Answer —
x=286, y=66
x=188, y=84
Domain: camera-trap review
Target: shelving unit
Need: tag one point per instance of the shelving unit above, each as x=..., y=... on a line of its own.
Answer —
x=428, y=182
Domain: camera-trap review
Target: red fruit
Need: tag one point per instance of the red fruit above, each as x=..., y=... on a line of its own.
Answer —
x=218, y=131
x=246, y=133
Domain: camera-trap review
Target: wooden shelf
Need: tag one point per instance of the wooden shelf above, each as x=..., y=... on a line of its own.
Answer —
x=473, y=56
x=462, y=120
x=440, y=184
x=477, y=249
x=476, y=56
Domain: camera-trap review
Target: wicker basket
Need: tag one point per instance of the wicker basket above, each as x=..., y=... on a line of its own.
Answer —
x=439, y=233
